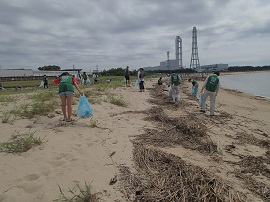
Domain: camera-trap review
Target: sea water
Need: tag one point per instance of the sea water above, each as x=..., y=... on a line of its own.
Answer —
x=257, y=83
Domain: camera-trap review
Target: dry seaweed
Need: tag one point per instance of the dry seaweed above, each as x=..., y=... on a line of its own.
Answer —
x=167, y=178
x=159, y=176
x=186, y=131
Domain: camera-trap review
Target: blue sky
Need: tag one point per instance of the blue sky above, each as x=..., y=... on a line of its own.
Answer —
x=138, y=33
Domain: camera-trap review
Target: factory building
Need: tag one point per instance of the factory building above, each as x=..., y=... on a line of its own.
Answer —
x=173, y=64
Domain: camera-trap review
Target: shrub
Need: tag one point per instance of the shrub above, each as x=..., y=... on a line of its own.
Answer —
x=20, y=143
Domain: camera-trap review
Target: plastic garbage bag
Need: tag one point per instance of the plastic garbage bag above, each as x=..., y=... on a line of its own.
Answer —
x=137, y=83
x=87, y=82
x=201, y=99
x=84, y=108
x=41, y=84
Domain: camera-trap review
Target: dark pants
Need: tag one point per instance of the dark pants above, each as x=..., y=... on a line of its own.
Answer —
x=46, y=85
x=141, y=85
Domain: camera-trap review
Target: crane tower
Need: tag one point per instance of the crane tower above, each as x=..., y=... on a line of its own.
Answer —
x=194, y=62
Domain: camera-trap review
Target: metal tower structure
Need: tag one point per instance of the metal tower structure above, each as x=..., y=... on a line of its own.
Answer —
x=168, y=60
x=178, y=51
x=194, y=62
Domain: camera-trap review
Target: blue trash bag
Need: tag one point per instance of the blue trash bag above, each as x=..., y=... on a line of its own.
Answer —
x=87, y=82
x=170, y=91
x=84, y=108
x=201, y=99
x=137, y=83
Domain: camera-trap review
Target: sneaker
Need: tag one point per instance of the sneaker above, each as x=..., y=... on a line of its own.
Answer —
x=202, y=111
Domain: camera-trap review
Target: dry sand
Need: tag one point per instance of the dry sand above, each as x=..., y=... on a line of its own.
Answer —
x=79, y=152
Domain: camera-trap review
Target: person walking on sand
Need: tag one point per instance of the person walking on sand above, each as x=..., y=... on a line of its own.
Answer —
x=141, y=79
x=160, y=81
x=127, y=76
x=84, y=76
x=211, y=85
x=45, y=82
x=66, y=92
x=195, y=86
x=95, y=76
x=175, y=82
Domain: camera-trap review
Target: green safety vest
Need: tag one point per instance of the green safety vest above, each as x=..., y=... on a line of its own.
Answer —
x=127, y=72
x=212, y=83
x=194, y=82
x=66, y=84
x=175, y=80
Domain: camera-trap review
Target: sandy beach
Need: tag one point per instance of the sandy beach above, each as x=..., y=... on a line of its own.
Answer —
x=124, y=144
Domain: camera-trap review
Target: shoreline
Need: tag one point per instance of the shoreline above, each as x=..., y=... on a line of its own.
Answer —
x=245, y=93
x=243, y=72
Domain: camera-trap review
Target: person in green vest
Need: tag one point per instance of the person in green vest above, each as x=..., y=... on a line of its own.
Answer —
x=211, y=86
x=84, y=76
x=175, y=82
x=195, y=86
x=127, y=76
x=66, y=92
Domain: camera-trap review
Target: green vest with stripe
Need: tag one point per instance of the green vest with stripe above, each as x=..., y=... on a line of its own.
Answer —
x=194, y=82
x=175, y=80
x=212, y=83
x=127, y=72
x=66, y=83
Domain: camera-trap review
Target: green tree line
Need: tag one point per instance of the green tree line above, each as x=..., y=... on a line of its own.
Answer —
x=248, y=68
x=50, y=68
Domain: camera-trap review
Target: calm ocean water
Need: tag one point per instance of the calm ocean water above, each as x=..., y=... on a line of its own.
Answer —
x=253, y=83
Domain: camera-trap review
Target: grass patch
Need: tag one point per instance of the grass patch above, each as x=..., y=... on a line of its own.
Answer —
x=43, y=96
x=6, y=117
x=38, y=108
x=12, y=84
x=117, y=101
x=6, y=98
x=113, y=84
x=94, y=100
x=87, y=93
x=20, y=143
x=13, y=92
x=93, y=123
x=79, y=194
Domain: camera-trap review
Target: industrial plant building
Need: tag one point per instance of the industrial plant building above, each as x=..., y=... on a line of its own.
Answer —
x=177, y=63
